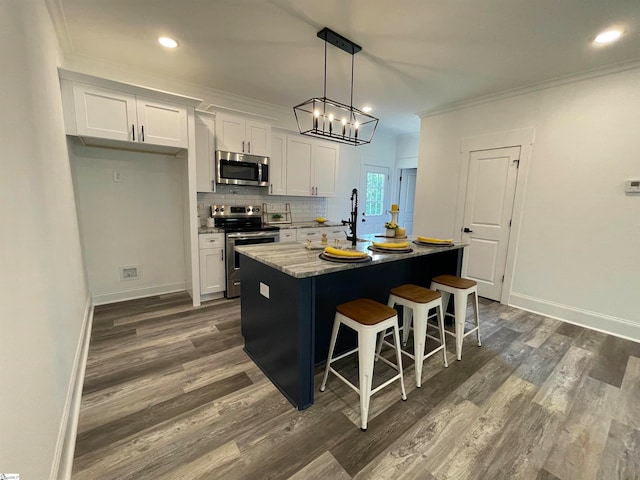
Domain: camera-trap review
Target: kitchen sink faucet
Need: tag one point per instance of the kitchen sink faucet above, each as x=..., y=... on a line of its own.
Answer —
x=353, y=223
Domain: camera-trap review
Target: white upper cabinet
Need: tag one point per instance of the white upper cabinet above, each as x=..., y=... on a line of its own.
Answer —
x=109, y=114
x=311, y=167
x=162, y=123
x=299, y=166
x=105, y=113
x=277, y=165
x=205, y=147
x=236, y=134
x=325, y=168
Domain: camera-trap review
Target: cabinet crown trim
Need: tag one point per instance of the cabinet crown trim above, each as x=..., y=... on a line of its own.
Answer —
x=129, y=88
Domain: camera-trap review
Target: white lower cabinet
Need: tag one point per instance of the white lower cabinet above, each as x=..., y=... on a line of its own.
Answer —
x=212, y=271
x=315, y=234
x=288, y=235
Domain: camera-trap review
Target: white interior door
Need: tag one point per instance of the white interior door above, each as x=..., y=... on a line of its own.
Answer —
x=487, y=217
x=373, y=197
x=407, y=198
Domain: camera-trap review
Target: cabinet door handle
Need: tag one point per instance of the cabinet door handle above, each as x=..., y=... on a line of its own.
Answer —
x=242, y=146
x=142, y=136
x=222, y=255
x=249, y=146
x=271, y=186
x=133, y=131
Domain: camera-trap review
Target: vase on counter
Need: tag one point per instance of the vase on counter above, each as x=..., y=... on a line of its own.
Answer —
x=391, y=232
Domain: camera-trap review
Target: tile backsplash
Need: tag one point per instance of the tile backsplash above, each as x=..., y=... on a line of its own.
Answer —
x=303, y=209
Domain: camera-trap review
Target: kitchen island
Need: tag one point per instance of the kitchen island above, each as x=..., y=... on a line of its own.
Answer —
x=289, y=296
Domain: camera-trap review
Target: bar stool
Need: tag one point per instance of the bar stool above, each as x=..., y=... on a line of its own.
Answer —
x=461, y=288
x=416, y=302
x=368, y=318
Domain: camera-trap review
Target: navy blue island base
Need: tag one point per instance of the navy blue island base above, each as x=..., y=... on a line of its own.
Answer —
x=287, y=330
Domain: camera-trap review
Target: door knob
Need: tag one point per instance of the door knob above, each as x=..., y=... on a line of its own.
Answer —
x=466, y=230
x=364, y=220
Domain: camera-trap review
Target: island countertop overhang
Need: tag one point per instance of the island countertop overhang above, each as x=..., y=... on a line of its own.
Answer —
x=295, y=260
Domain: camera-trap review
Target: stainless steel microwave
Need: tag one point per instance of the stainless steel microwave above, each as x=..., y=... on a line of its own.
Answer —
x=242, y=169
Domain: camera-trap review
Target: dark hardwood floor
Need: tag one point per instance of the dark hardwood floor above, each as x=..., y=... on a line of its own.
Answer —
x=169, y=393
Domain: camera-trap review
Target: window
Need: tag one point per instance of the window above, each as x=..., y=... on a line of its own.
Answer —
x=374, y=203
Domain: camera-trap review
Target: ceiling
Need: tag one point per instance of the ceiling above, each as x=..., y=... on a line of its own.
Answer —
x=417, y=55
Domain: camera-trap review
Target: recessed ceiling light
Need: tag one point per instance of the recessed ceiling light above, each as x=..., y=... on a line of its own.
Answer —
x=366, y=109
x=168, y=42
x=608, y=36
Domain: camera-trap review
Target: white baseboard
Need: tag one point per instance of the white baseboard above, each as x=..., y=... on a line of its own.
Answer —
x=65, y=446
x=619, y=327
x=131, y=294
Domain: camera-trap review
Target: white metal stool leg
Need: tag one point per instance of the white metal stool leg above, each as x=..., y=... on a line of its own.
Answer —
x=461, y=289
x=476, y=312
x=332, y=345
x=460, y=302
x=399, y=358
x=417, y=302
x=366, y=354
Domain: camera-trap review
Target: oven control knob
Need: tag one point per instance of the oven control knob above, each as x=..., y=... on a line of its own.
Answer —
x=217, y=209
x=257, y=209
x=222, y=209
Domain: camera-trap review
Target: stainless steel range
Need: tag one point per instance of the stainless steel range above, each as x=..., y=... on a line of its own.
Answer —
x=242, y=225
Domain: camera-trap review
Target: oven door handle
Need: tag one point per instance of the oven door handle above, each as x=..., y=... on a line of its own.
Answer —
x=243, y=236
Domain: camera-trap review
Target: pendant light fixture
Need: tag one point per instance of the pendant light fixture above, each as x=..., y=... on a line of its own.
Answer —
x=330, y=119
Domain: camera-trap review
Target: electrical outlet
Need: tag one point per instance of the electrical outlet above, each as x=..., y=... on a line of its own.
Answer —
x=130, y=273
x=117, y=176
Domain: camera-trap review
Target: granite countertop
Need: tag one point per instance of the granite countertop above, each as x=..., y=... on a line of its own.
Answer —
x=328, y=223
x=283, y=226
x=296, y=260
x=204, y=230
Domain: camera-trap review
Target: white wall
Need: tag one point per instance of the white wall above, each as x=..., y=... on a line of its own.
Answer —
x=407, y=150
x=135, y=222
x=381, y=152
x=577, y=250
x=42, y=286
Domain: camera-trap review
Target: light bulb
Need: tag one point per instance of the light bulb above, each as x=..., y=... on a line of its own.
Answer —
x=608, y=37
x=167, y=42
x=316, y=114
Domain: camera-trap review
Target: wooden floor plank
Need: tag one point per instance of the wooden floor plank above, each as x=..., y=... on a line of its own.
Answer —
x=621, y=455
x=470, y=453
x=170, y=393
x=140, y=420
x=558, y=391
x=627, y=410
x=611, y=361
x=322, y=468
x=579, y=444
x=434, y=437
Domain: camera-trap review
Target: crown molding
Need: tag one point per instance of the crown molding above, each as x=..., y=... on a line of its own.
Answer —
x=534, y=87
x=59, y=20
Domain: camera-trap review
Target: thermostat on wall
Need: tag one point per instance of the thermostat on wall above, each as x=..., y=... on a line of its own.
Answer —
x=632, y=186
